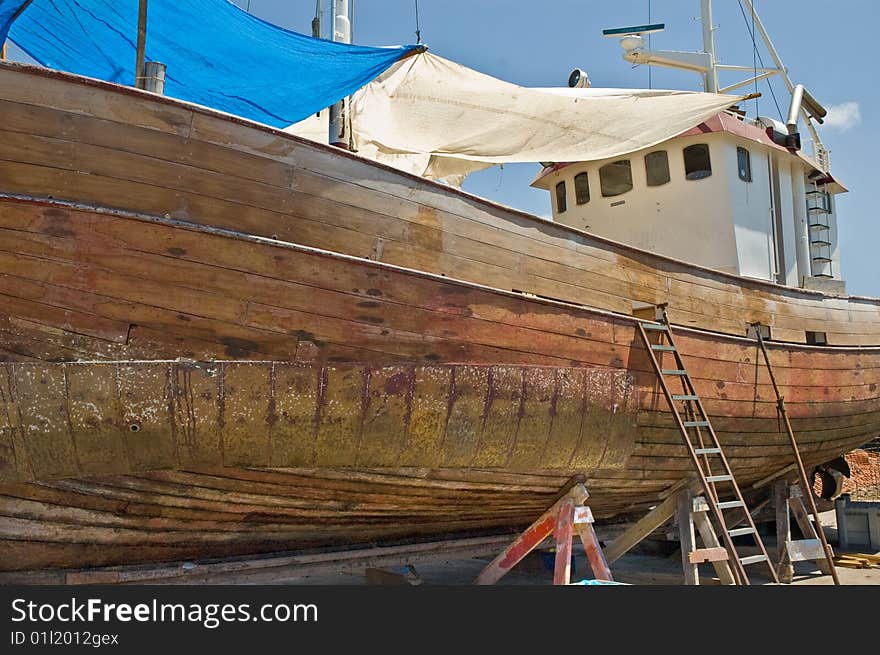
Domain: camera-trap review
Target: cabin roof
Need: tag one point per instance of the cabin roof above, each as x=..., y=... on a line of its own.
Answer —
x=730, y=124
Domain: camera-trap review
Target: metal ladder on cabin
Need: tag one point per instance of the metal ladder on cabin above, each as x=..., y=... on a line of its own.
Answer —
x=704, y=449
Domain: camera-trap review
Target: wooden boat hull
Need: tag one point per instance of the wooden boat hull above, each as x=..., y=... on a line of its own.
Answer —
x=102, y=449
x=218, y=339
x=85, y=141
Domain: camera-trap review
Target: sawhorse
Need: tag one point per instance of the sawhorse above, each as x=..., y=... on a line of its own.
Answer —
x=567, y=516
x=788, y=500
x=693, y=512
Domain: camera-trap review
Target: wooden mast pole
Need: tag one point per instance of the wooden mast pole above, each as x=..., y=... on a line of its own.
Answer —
x=141, y=44
x=340, y=30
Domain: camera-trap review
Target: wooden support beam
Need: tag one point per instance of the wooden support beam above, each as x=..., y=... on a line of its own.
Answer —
x=542, y=528
x=583, y=525
x=701, y=555
x=563, y=533
x=684, y=515
x=806, y=549
x=710, y=540
x=799, y=510
x=842, y=528
x=774, y=476
x=784, y=566
x=641, y=529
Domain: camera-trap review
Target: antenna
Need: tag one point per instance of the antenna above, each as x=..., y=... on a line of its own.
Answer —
x=638, y=30
x=635, y=51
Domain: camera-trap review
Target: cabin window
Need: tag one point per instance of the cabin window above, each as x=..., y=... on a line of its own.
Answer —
x=816, y=339
x=657, y=168
x=616, y=178
x=561, y=204
x=697, y=163
x=744, y=164
x=582, y=188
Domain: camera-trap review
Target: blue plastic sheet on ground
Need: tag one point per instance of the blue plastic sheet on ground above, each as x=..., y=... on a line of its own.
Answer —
x=591, y=583
x=217, y=54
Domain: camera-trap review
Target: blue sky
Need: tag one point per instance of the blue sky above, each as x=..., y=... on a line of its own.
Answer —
x=538, y=43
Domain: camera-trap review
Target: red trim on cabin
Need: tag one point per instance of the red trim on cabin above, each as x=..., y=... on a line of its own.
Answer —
x=723, y=122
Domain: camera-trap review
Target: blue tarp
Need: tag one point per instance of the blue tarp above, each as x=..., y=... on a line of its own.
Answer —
x=217, y=54
x=8, y=8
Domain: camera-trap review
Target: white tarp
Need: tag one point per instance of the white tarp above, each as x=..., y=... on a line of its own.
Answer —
x=435, y=118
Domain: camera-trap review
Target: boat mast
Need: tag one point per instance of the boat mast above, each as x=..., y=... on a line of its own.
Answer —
x=783, y=72
x=341, y=32
x=709, y=45
x=706, y=64
x=141, y=44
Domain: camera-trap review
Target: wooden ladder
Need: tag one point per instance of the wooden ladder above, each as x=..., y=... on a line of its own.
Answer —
x=703, y=448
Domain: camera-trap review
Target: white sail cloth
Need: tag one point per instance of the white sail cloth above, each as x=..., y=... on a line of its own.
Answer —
x=435, y=118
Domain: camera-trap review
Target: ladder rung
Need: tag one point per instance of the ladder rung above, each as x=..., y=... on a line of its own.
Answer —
x=719, y=478
x=696, y=424
x=729, y=504
x=656, y=326
x=663, y=347
x=673, y=372
x=753, y=559
x=685, y=397
x=707, y=451
x=740, y=532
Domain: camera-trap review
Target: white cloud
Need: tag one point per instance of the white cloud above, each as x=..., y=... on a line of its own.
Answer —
x=844, y=116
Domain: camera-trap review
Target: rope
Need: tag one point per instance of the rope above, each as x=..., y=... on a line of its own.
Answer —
x=751, y=30
x=418, y=31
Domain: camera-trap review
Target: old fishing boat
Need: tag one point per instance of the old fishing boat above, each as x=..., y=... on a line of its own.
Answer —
x=220, y=338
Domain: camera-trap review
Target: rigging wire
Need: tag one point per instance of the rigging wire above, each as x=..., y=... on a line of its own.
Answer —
x=755, y=51
x=418, y=31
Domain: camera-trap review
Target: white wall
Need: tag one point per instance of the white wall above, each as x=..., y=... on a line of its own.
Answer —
x=721, y=221
x=686, y=219
x=801, y=229
x=752, y=211
x=786, y=204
